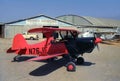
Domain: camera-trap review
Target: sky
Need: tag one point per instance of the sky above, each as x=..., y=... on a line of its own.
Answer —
x=11, y=10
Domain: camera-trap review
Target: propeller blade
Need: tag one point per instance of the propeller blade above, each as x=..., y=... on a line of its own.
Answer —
x=94, y=35
x=97, y=40
x=98, y=47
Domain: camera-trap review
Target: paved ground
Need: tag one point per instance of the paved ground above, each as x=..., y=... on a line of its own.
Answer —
x=103, y=65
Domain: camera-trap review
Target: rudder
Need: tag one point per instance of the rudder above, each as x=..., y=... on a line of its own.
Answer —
x=19, y=42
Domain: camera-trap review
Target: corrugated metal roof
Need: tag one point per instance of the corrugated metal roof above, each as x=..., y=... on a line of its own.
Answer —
x=103, y=21
x=91, y=21
x=37, y=17
x=79, y=20
x=74, y=19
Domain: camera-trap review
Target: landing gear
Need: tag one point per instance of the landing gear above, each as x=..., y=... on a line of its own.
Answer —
x=80, y=60
x=72, y=61
x=16, y=58
x=71, y=66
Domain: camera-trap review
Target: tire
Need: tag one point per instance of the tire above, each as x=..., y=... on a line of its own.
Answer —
x=71, y=67
x=80, y=60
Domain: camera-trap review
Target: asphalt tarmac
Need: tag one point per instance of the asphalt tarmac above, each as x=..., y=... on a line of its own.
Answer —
x=102, y=65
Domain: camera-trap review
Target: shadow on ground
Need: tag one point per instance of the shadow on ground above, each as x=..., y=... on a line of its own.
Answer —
x=23, y=58
x=108, y=43
x=52, y=66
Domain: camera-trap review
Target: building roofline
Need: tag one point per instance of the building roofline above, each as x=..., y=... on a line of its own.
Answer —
x=76, y=16
x=36, y=17
x=96, y=22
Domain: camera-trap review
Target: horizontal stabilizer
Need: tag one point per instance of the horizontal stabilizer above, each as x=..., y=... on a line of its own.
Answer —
x=10, y=50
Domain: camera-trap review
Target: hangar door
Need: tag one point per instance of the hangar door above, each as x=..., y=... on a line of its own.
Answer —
x=1, y=31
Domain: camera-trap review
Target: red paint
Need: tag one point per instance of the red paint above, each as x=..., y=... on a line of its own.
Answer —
x=98, y=40
x=43, y=50
x=70, y=67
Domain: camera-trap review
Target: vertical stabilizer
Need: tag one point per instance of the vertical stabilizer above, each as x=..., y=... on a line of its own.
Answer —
x=19, y=42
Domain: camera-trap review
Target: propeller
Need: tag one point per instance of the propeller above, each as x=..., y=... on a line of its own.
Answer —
x=97, y=40
x=97, y=47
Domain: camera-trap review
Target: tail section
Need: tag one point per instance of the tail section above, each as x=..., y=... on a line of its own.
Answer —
x=19, y=42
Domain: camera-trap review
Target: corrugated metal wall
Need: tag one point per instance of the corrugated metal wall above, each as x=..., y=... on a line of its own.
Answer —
x=11, y=30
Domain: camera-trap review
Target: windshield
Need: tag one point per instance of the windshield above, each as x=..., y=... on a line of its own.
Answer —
x=68, y=34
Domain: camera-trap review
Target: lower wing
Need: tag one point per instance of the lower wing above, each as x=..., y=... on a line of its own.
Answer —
x=45, y=57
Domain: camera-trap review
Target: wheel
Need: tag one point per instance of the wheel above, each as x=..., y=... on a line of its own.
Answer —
x=71, y=66
x=80, y=60
x=16, y=58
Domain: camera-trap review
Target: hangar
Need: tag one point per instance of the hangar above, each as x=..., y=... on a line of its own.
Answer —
x=23, y=25
x=98, y=25
x=83, y=23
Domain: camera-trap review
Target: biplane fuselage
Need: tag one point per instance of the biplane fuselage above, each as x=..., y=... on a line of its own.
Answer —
x=43, y=48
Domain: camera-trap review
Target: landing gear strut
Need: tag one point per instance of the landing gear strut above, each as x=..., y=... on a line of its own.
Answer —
x=70, y=66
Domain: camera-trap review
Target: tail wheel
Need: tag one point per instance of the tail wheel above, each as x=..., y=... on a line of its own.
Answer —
x=16, y=58
x=71, y=66
x=80, y=60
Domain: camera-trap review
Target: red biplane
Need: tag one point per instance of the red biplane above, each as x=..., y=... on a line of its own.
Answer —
x=59, y=42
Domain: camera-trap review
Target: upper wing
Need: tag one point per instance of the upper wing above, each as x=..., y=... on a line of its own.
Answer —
x=48, y=32
x=45, y=30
